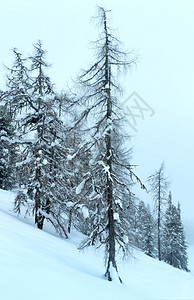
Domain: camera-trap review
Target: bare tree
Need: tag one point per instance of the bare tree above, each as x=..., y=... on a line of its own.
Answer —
x=109, y=175
x=159, y=185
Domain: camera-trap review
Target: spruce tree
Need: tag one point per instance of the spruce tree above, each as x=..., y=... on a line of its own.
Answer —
x=174, y=245
x=145, y=233
x=182, y=239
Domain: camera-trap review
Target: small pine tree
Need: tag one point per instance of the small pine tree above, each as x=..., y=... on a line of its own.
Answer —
x=174, y=245
x=182, y=239
x=149, y=239
x=145, y=238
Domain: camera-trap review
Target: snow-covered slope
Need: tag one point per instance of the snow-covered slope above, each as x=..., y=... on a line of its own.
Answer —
x=38, y=265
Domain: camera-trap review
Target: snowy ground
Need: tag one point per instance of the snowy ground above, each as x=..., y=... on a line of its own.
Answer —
x=38, y=265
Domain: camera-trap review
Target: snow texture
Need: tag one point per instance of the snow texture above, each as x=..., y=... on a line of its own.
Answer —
x=80, y=187
x=85, y=212
x=116, y=217
x=38, y=265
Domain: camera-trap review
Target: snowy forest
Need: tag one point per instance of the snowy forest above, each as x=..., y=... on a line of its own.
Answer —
x=66, y=155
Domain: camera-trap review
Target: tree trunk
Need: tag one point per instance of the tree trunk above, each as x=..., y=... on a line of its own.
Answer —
x=39, y=218
x=109, y=187
x=70, y=221
x=111, y=235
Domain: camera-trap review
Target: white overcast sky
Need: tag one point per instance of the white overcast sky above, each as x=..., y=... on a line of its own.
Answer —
x=161, y=33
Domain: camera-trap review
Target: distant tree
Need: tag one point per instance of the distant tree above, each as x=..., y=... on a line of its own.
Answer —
x=7, y=150
x=174, y=245
x=149, y=244
x=108, y=178
x=159, y=185
x=145, y=233
x=183, y=243
x=133, y=220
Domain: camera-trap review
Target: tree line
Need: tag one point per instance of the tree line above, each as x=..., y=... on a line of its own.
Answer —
x=160, y=234
x=67, y=157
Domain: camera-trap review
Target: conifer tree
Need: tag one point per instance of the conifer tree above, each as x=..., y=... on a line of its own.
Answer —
x=109, y=173
x=41, y=136
x=41, y=87
x=174, y=245
x=7, y=150
x=145, y=233
x=17, y=97
x=182, y=239
x=159, y=184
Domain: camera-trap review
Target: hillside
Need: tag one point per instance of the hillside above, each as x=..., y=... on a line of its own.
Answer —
x=39, y=265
